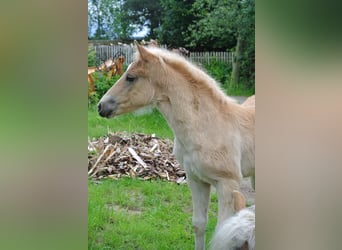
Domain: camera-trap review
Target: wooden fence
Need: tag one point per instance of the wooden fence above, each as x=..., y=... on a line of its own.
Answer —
x=207, y=57
x=104, y=52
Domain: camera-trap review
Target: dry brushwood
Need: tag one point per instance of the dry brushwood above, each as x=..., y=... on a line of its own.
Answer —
x=139, y=156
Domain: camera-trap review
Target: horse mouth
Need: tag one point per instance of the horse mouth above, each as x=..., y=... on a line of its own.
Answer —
x=107, y=107
x=112, y=114
x=106, y=114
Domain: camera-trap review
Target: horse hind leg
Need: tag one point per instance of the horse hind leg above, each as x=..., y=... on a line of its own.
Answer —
x=225, y=194
x=253, y=181
x=200, y=199
x=239, y=201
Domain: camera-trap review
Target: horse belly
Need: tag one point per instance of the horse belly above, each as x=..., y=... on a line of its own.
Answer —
x=248, y=160
x=247, y=166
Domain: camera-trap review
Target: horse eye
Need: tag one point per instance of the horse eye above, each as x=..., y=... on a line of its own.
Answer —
x=130, y=78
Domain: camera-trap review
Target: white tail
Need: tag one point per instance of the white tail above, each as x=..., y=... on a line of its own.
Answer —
x=238, y=231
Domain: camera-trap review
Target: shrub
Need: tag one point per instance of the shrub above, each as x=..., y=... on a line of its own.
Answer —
x=102, y=84
x=219, y=70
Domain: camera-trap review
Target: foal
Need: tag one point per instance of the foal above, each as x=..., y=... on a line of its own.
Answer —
x=214, y=136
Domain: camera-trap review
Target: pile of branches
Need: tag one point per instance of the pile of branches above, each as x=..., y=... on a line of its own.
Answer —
x=139, y=156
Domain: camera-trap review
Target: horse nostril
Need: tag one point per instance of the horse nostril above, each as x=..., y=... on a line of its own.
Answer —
x=107, y=106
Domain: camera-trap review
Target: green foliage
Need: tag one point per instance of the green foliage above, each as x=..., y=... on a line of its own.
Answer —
x=213, y=27
x=102, y=84
x=220, y=71
x=143, y=14
x=91, y=56
x=239, y=89
x=110, y=20
x=245, y=21
x=218, y=25
x=133, y=214
x=120, y=26
x=98, y=16
x=176, y=18
x=120, y=19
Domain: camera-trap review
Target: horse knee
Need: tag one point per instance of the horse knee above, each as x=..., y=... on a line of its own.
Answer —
x=199, y=225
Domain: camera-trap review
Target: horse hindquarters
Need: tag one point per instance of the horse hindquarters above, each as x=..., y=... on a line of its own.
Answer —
x=225, y=190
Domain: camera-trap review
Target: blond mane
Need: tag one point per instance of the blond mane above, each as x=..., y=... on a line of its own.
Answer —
x=195, y=76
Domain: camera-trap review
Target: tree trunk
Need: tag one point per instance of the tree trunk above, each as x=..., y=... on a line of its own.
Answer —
x=235, y=77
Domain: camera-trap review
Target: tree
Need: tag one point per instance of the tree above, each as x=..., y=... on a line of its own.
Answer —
x=109, y=19
x=143, y=13
x=246, y=32
x=211, y=30
x=121, y=25
x=227, y=24
x=121, y=18
x=95, y=18
x=176, y=17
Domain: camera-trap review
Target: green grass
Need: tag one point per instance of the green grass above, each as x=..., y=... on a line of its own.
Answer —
x=150, y=123
x=133, y=214
x=238, y=90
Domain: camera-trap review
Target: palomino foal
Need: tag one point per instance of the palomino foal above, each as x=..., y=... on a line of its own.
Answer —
x=214, y=136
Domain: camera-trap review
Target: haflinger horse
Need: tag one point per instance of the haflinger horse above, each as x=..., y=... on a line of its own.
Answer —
x=214, y=136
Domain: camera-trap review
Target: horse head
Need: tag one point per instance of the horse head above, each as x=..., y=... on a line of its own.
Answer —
x=136, y=87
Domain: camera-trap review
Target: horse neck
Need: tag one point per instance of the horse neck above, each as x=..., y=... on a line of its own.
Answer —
x=188, y=110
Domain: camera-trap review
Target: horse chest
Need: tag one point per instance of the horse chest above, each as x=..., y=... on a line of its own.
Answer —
x=191, y=159
x=209, y=163
x=195, y=168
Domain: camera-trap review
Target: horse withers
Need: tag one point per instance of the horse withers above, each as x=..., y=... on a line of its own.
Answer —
x=214, y=136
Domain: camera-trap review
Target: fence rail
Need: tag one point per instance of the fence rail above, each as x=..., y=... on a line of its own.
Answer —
x=206, y=57
x=104, y=52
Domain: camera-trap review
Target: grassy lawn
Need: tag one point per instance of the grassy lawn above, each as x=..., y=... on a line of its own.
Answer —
x=133, y=214
x=149, y=123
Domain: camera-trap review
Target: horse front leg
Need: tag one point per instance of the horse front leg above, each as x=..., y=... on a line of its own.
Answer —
x=200, y=200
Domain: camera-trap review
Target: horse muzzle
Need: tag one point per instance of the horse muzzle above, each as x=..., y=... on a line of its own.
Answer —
x=107, y=106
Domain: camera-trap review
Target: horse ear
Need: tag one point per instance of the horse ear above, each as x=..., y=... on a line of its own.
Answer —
x=144, y=53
